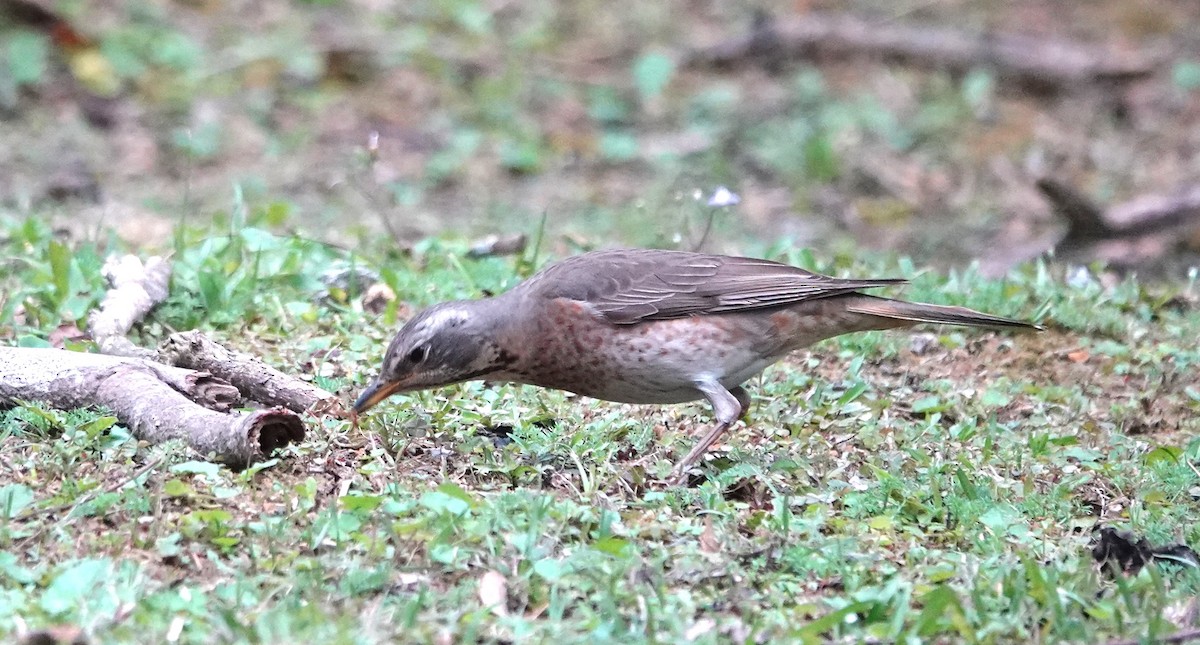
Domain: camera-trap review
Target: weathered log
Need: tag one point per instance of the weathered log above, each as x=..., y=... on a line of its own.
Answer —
x=144, y=397
x=1039, y=62
x=253, y=378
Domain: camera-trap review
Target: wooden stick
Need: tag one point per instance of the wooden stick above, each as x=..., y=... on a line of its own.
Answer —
x=136, y=289
x=253, y=378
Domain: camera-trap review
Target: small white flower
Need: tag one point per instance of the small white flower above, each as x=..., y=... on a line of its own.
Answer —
x=722, y=196
x=1079, y=277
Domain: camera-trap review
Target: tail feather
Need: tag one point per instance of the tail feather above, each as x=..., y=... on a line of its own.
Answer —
x=935, y=314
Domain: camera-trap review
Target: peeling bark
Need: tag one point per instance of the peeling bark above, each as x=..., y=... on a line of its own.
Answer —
x=144, y=398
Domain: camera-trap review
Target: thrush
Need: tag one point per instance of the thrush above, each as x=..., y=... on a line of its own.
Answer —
x=646, y=326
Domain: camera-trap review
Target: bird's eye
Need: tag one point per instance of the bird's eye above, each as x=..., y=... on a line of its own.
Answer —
x=419, y=353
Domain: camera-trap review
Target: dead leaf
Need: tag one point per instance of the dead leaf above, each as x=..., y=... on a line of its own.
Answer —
x=708, y=538
x=493, y=592
x=1078, y=356
x=66, y=332
x=377, y=297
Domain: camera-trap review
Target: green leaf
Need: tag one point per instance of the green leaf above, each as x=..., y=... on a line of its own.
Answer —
x=14, y=498
x=226, y=541
x=226, y=492
x=995, y=398
x=928, y=404
x=618, y=146
x=820, y=159
x=1163, y=454
x=94, y=427
x=550, y=569
x=1186, y=75
x=520, y=155
x=27, y=57
x=457, y=492
x=852, y=393
x=363, y=503
x=206, y=468
x=977, y=88
x=941, y=606
x=999, y=518
x=211, y=290
x=606, y=105
x=168, y=545
x=440, y=502
x=74, y=584
x=258, y=240
x=651, y=74
x=443, y=553
x=177, y=488
x=614, y=546
x=815, y=630
x=11, y=567
x=60, y=269
x=213, y=516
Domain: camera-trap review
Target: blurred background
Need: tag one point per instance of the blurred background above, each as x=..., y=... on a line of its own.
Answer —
x=949, y=131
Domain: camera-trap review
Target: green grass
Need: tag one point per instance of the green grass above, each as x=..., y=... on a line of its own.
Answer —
x=879, y=494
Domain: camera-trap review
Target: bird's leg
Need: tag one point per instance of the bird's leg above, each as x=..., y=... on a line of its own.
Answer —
x=728, y=406
x=743, y=399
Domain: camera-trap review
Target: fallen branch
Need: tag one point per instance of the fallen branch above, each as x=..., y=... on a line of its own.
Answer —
x=494, y=245
x=253, y=378
x=1089, y=222
x=144, y=398
x=136, y=289
x=1125, y=235
x=1147, y=222
x=1042, y=63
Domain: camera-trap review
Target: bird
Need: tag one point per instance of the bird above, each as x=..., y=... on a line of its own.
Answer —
x=647, y=326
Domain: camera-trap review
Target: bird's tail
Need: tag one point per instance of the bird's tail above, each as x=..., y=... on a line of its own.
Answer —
x=917, y=312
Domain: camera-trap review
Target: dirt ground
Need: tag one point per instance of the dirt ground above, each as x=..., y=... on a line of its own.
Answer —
x=470, y=118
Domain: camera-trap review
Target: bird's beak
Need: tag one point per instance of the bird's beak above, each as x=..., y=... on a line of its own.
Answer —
x=376, y=391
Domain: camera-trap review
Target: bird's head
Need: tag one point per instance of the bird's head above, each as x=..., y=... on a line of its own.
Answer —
x=442, y=345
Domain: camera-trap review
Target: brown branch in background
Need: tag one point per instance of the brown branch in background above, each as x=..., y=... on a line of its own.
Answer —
x=1085, y=218
x=143, y=401
x=1039, y=62
x=1143, y=216
x=494, y=245
x=1157, y=212
x=253, y=378
x=136, y=288
x=1132, y=234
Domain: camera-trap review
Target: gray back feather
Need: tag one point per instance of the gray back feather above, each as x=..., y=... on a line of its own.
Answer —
x=631, y=285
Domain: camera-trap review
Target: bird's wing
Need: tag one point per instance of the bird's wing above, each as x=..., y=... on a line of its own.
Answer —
x=631, y=285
